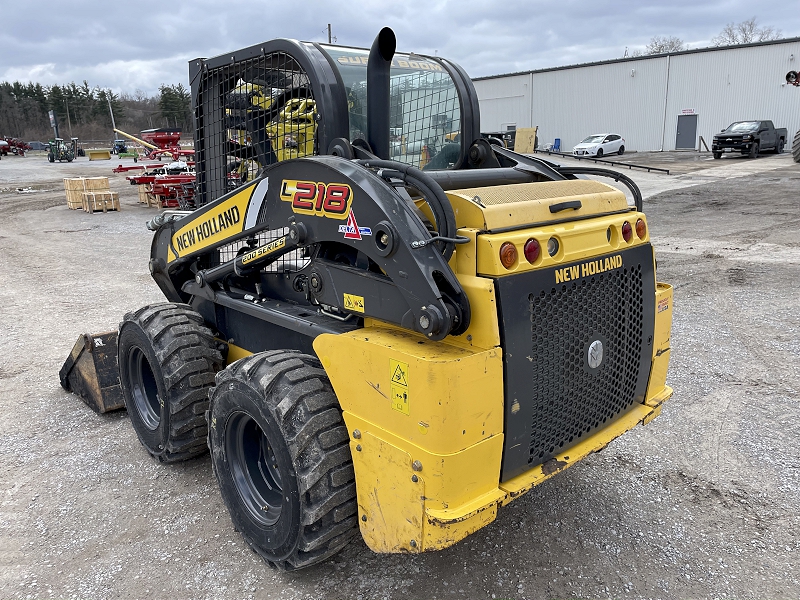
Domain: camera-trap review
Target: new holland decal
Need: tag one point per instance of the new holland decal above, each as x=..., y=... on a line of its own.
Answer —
x=218, y=222
x=586, y=269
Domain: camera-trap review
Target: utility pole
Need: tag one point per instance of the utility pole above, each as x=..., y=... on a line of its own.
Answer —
x=113, y=124
x=329, y=33
x=69, y=123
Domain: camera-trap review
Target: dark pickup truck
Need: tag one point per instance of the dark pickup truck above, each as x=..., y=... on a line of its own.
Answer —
x=749, y=137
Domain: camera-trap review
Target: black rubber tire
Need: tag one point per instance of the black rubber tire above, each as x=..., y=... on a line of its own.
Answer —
x=717, y=155
x=779, y=149
x=599, y=153
x=51, y=158
x=281, y=454
x=167, y=362
x=796, y=147
x=621, y=150
x=753, y=150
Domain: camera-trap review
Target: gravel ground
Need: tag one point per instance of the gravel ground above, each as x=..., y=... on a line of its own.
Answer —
x=701, y=503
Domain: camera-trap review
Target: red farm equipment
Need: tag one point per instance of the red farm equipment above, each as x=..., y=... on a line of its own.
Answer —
x=160, y=142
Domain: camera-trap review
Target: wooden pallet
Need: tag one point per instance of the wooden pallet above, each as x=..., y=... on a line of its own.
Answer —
x=75, y=187
x=97, y=201
x=145, y=197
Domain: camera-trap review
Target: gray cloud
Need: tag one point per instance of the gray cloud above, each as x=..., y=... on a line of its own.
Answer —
x=129, y=46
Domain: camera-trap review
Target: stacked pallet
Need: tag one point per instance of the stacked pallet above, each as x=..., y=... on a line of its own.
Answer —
x=77, y=186
x=96, y=201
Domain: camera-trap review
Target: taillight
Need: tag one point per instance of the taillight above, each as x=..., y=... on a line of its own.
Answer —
x=627, y=231
x=641, y=229
x=532, y=250
x=508, y=255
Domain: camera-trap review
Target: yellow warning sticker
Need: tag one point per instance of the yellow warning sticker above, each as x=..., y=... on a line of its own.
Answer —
x=352, y=302
x=398, y=371
x=400, y=399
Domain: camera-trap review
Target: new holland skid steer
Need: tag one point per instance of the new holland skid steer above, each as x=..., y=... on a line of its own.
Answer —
x=393, y=327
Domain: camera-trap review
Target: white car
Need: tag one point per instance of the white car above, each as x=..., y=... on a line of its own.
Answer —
x=600, y=144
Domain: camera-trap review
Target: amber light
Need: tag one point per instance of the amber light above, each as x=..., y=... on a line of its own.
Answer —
x=508, y=255
x=532, y=250
x=627, y=231
x=641, y=229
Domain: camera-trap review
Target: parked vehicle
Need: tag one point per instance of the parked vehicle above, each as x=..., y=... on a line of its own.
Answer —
x=599, y=144
x=62, y=150
x=749, y=137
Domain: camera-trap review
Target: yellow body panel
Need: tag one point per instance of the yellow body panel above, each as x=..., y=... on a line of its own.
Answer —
x=502, y=206
x=661, y=340
x=447, y=386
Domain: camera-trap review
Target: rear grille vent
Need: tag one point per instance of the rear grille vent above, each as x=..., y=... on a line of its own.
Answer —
x=576, y=355
x=569, y=400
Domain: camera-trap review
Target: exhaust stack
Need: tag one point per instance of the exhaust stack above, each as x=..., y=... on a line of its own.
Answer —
x=380, y=61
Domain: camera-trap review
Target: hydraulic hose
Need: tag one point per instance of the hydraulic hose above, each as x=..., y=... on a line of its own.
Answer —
x=431, y=191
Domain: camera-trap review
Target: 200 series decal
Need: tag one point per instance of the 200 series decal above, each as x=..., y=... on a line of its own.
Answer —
x=320, y=199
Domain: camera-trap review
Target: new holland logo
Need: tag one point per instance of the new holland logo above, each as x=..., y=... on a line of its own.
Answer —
x=351, y=230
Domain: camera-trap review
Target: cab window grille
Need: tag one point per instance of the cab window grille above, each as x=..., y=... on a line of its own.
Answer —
x=250, y=114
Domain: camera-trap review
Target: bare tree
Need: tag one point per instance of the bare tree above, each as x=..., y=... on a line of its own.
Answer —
x=661, y=44
x=746, y=32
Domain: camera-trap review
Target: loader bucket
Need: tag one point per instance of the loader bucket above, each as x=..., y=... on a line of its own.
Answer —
x=91, y=371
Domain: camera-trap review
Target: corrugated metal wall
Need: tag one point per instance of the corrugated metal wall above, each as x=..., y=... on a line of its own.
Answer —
x=641, y=99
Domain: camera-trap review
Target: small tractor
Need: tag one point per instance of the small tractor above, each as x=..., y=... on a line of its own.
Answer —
x=366, y=346
x=60, y=150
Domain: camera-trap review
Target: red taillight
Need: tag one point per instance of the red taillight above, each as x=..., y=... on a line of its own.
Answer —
x=627, y=231
x=532, y=250
x=508, y=255
x=641, y=229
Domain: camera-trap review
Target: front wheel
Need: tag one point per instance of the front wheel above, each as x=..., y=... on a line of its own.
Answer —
x=281, y=454
x=753, y=150
x=717, y=155
x=167, y=361
x=621, y=150
x=599, y=153
x=51, y=158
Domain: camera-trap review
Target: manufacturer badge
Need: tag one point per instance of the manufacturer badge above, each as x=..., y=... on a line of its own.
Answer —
x=595, y=355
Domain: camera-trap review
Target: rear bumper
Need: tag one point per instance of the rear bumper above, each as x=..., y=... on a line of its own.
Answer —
x=428, y=473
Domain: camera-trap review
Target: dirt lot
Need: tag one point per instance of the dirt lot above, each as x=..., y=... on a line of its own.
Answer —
x=702, y=503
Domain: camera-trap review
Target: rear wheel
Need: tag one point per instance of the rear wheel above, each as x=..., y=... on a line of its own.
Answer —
x=621, y=150
x=167, y=362
x=796, y=147
x=779, y=149
x=753, y=150
x=281, y=455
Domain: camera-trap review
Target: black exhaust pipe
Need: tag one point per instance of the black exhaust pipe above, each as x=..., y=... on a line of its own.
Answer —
x=380, y=61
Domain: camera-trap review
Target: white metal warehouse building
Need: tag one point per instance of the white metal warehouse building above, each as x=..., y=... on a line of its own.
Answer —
x=657, y=102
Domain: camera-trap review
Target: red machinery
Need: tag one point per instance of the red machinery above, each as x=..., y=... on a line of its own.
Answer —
x=160, y=142
x=172, y=185
x=15, y=146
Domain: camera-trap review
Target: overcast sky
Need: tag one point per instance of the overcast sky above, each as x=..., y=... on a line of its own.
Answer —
x=137, y=45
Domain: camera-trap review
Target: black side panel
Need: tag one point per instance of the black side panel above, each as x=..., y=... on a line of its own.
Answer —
x=555, y=392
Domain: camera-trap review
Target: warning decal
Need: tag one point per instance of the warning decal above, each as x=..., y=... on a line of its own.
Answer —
x=353, y=302
x=399, y=384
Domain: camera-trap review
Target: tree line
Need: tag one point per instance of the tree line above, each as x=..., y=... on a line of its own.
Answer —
x=746, y=32
x=82, y=111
